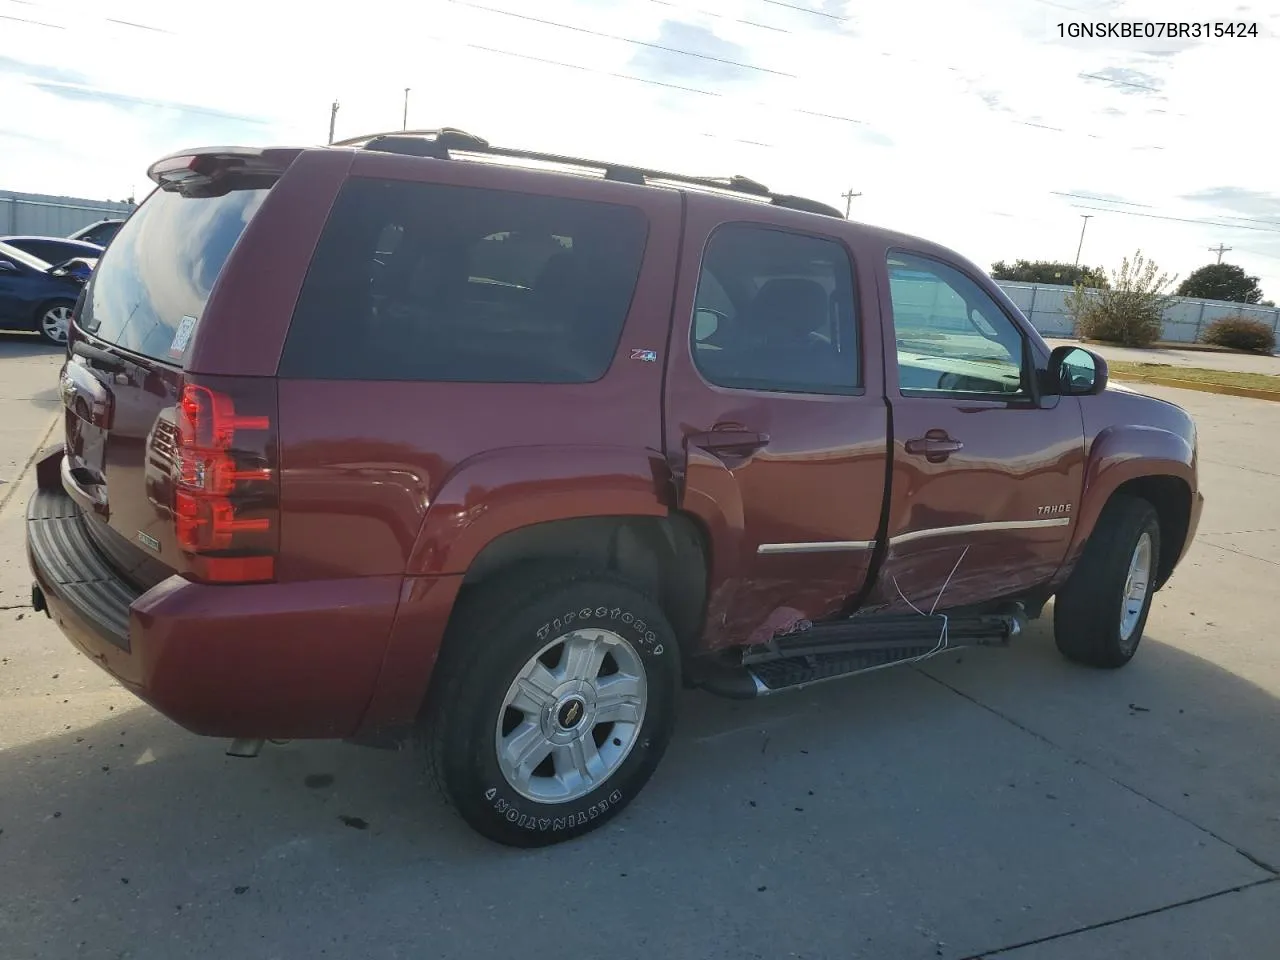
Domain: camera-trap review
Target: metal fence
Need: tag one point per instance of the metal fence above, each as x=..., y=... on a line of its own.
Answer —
x=35, y=214
x=1184, y=319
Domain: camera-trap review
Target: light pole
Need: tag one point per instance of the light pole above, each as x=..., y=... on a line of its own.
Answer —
x=405, y=123
x=1086, y=217
x=333, y=116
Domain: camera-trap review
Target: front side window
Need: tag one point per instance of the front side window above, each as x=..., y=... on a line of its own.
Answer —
x=421, y=281
x=952, y=338
x=775, y=311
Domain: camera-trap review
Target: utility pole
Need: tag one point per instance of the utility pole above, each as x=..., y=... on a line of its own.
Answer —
x=333, y=116
x=1219, y=250
x=848, y=201
x=406, y=109
x=1086, y=217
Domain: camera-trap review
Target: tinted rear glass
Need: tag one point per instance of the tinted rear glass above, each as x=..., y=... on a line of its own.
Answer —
x=161, y=267
x=415, y=281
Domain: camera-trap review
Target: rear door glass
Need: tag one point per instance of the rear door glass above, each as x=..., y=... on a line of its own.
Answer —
x=152, y=283
x=415, y=281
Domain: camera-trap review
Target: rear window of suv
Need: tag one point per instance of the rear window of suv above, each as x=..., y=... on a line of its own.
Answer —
x=153, y=282
x=415, y=281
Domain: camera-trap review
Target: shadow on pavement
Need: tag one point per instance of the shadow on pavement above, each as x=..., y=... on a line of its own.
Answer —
x=15, y=344
x=882, y=816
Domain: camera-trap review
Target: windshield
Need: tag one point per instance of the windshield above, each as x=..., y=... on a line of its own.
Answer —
x=17, y=256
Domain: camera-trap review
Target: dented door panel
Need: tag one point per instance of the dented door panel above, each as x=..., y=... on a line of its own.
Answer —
x=792, y=500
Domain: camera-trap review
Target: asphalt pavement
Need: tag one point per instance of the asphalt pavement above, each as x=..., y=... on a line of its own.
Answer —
x=990, y=803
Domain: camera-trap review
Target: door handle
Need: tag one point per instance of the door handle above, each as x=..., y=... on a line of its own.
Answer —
x=735, y=443
x=936, y=445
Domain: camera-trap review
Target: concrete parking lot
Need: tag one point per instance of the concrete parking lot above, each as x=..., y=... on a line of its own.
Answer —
x=990, y=803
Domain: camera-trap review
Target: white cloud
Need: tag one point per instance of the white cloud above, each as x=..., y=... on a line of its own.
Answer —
x=954, y=98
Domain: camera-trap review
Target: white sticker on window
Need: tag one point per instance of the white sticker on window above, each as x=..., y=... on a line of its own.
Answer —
x=182, y=336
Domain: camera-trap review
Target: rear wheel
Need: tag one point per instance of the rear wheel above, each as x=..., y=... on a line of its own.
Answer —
x=554, y=704
x=1101, y=612
x=54, y=321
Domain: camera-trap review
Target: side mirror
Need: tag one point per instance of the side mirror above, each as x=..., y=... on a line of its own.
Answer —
x=1076, y=372
x=7, y=266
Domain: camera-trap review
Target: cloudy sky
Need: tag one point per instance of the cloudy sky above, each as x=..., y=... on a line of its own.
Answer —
x=971, y=122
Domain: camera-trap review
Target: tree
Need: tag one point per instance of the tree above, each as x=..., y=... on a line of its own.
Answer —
x=1049, y=271
x=1128, y=312
x=1221, y=281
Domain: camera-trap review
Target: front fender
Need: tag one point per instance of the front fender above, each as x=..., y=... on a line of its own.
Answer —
x=498, y=491
x=1121, y=454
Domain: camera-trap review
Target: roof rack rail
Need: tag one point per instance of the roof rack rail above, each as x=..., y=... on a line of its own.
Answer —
x=438, y=144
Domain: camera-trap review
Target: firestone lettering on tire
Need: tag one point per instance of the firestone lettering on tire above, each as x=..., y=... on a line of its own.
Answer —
x=524, y=821
x=648, y=638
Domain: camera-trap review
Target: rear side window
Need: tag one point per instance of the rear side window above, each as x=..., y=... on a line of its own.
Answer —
x=775, y=311
x=414, y=281
x=151, y=285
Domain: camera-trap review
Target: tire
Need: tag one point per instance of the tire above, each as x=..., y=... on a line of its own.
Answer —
x=1098, y=618
x=53, y=320
x=511, y=628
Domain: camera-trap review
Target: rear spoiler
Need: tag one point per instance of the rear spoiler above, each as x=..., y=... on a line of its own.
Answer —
x=206, y=168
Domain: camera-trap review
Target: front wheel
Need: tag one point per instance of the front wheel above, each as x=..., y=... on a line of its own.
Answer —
x=54, y=321
x=1101, y=612
x=555, y=703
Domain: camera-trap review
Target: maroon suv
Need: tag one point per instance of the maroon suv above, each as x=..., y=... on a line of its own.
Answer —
x=414, y=433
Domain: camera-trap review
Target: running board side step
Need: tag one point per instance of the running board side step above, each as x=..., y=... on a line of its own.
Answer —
x=843, y=648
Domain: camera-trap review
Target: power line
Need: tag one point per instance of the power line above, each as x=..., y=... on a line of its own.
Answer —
x=612, y=36
x=1134, y=203
x=1082, y=196
x=665, y=84
x=1123, y=83
x=720, y=16
x=34, y=23
x=137, y=26
x=1156, y=216
x=1256, y=253
x=816, y=13
x=701, y=56
x=645, y=80
x=1227, y=216
x=689, y=53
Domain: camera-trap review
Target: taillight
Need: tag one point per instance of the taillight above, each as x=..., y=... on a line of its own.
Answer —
x=226, y=506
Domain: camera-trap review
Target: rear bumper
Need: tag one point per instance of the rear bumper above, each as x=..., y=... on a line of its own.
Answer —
x=281, y=660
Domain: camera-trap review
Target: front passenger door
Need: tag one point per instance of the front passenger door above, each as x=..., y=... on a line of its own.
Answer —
x=986, y=474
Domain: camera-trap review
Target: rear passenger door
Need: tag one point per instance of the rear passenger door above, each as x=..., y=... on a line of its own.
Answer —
x=775, y=423
x=986, y=473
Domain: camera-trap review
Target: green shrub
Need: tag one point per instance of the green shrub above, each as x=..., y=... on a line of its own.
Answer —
x=1241, y=333
x=1129, y=312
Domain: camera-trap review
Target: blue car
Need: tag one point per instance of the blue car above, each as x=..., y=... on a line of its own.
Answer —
x=35, y=295
x=53, y=250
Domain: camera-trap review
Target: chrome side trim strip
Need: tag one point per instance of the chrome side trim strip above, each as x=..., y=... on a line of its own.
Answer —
x=815, y=546
x=978, y=528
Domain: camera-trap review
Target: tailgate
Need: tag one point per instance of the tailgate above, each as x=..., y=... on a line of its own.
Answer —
x=124, y=372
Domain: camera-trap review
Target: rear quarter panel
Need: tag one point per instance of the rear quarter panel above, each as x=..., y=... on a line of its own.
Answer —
x=415, y=477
